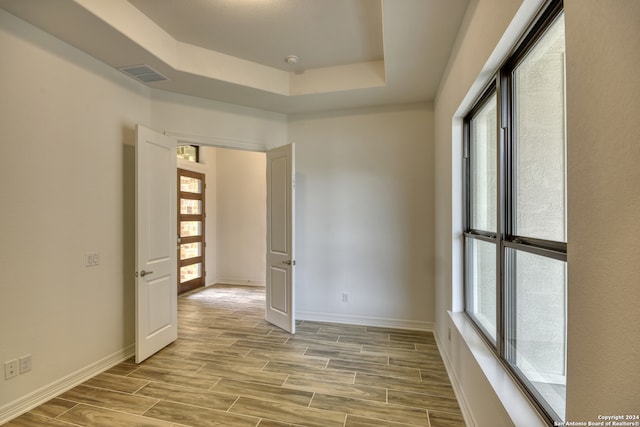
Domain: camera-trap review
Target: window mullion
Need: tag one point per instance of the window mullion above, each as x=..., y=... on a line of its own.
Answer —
x=500, y=221
x=505, y=212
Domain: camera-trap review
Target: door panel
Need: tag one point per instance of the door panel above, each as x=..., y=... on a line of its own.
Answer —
x=278, y=290
x=159, y=291
x=280, y=277
x=156, y=294
x=279, y=183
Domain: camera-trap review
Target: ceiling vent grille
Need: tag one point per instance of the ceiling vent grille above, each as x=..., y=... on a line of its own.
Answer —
x=143, y=73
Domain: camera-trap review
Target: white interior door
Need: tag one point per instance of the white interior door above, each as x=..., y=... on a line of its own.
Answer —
x=280, y=281
x=156, y=239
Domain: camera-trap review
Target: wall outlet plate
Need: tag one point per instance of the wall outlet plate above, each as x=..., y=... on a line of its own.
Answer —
x=10, y=369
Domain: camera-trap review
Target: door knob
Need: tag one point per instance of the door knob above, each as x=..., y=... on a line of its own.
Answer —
x=144, y=273
x=289, y=262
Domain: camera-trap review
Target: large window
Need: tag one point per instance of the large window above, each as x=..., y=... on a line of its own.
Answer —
x=515, y=213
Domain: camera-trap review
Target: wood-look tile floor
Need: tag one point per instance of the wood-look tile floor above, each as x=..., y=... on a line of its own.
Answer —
x=229, y=367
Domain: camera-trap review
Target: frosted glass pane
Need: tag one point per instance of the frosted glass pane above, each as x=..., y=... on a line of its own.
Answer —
x=190, y=185
x=539, y=317
x=190, y=207
x=190, y=228
x=482, y=151
x=188, y=152
x=190, y=250
x=540, y=140
x=190, y=272
x=481, y=284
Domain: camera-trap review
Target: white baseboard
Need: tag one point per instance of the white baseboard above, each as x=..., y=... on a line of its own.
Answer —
x=457, y=388
x=48, y=392
x=238, y=282
x=365, y=320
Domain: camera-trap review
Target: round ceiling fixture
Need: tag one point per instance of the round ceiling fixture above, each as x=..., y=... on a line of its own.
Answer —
x=291, y=59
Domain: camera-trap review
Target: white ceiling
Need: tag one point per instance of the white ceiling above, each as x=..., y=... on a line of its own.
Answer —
x=322, y=33
x=353, y=53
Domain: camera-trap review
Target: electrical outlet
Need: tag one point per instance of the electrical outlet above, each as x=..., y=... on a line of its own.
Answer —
x=345, y=297
x=25, y=363
x=10, y=369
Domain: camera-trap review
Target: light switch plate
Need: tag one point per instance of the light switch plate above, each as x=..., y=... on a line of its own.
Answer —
x=25, y=363
x=91, y=259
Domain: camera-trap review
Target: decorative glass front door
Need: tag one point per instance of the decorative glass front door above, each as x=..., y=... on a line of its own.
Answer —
x=191, y=216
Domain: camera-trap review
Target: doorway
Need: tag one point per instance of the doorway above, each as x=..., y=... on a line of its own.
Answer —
x=156, y=297
x=240, y=216
x=235, y=225
x=191, y=230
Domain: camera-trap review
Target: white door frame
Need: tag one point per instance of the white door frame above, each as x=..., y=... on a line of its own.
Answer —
x=216, y=142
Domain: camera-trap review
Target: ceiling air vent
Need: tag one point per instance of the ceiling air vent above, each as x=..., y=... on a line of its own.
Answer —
x=143, y=73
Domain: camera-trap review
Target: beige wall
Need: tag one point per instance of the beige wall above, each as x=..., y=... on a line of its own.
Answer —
x=602, y=93
x=67, y=185
x=241, y=214
x=217, y=123
x=489, y=29
x=364, y=215
x=66, y=179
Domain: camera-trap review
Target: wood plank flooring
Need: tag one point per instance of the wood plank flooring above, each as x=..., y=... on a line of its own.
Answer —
x=231, y=368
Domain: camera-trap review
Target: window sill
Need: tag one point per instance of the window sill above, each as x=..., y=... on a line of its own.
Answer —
x=515, y=402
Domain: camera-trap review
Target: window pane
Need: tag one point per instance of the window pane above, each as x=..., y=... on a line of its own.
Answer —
x=190, y=207
x=482, y=152
x=188, y=152
x=190, y=250
x=537, y=310
x=190, y=272
x=540, y=148
x=481, y=284
x=190, y=185
x=190, y=228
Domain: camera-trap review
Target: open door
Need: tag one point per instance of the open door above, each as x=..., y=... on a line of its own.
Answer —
x=280, y=280
x=156, y=240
